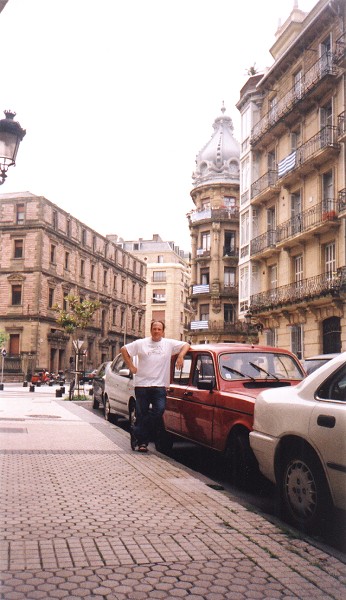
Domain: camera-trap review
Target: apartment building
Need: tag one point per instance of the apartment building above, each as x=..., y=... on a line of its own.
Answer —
x=46, y=254
x=168, y=281
x=214, y=229
x=293, y=189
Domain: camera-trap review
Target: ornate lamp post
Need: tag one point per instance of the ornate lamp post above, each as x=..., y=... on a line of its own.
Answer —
x=11, y=134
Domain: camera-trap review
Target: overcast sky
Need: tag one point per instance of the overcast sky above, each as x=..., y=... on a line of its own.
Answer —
x=119, y=96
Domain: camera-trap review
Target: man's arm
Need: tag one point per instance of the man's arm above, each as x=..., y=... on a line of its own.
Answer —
x=128, y=360
x=180, y=360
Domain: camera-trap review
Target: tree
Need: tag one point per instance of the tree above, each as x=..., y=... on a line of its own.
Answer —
x=3, y=338
x=77, y=317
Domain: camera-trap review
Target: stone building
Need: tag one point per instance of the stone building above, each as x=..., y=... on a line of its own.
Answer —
x=214, y=228
x=46, y=254
x=293, y=188
x=168, y=281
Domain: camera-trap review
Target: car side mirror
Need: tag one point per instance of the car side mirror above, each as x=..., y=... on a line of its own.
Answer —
x=125, y=372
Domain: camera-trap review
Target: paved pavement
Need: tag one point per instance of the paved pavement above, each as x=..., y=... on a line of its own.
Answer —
x=84, y=517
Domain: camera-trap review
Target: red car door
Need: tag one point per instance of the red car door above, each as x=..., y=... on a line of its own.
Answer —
x=197, y=406
x=175, y=394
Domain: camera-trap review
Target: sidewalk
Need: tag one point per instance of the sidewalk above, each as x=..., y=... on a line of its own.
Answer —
x=84, y=517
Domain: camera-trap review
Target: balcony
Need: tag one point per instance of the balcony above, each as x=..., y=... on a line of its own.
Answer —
x=309, y=156
x=313, y=85
x=339, y=56
x=263, y=244
x=230, y=252
x=200, y=289
x=342, y=202
x=306, y=290
x=229, y=290
x=223, y=213
x=203, y=253
x=220, y=327
x=342, y=127
x=265, y=187
x=317, y=219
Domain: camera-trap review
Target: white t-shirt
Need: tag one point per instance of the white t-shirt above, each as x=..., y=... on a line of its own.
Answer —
x=153, y=360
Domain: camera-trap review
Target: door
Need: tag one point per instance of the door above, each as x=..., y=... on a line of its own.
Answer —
x=176, y=395
x=331, y=329
x=197, y=407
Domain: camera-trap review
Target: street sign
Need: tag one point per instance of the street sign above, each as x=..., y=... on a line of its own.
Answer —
x=3, y=352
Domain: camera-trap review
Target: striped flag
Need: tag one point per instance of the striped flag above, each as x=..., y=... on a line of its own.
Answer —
x=286, y=164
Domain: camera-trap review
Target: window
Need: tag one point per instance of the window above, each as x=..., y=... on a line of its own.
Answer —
x=229, y=249
x=67, y=260
x=271, y=337
x=245, y=128
x=229, y=201
x=205, y=203
x=273, y=277
x=204, y=312
x=159, y=295
x=160, y=258
x=114, y=316
x=105, y=273
x=245, y=175
x=20, y=214
x=52, y=253
x=92, y=272
x=159, y=275
x=16, y=295
x=296, y=213
x=298, y=270
x=133, y=320
x=328, y=193
x=229, y=276
x=123, y=287
x=205, y=241
x=50, y=297
x=55, y=219
x=83, y=237
x=64, y=303
x=68, y=228
x=273, y=108
x=94, y=243
x=244, y=228
x=297, y=83
x=244, y=283
x=228, y=313
x=18, y=249
x=82, y=267
x=114, y=283
x=326, y=114
x=329, y=259
x=205, y=277
x=296, y=341
x=133, y=291
x=296, y=138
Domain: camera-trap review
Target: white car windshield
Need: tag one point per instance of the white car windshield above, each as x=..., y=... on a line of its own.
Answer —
x=258, y=365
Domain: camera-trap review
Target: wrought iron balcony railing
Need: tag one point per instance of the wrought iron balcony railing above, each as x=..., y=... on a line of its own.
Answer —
x=263, y=242
x=342, y=201
x=239, y=327
x=224, y=212
x=267, y=180
x=300, y=291
x=230, y=251
x=341, y=124
x=322, y=67
x=308, y=219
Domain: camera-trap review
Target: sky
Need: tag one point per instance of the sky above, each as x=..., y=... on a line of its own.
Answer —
x=118, y=97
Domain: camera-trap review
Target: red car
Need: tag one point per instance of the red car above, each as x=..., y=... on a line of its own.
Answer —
x=211, y=400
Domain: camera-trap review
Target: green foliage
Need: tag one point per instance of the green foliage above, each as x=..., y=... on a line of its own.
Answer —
x=79, y=314
x=3, y=337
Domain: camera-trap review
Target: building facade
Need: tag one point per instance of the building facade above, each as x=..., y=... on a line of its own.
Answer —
x=293, y=188
x=214, y=229
x=46, y=254
x=168, y=277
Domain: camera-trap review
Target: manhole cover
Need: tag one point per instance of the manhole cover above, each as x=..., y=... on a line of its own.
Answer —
x=43, y=416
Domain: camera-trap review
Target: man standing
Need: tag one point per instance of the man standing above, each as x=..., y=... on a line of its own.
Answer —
x=152, y=371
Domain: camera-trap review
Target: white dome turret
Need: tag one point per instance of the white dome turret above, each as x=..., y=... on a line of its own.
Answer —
x=218, y=161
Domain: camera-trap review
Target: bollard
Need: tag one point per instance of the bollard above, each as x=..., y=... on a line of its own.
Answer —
x=32, y=388
x=38, y=384
x=58, y=393
x=25, y=384
x=62, y=389
x=50, y=383
x=1, y=386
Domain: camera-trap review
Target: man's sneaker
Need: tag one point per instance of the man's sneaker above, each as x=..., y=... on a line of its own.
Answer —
x=143, y=448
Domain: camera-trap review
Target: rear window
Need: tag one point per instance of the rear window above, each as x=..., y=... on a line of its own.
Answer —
x=256, y=365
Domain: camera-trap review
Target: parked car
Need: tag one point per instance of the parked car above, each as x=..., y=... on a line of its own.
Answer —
x=98, y=384
x=211, y=400
x=119, y=394
x=312, y=363
x=299, y=439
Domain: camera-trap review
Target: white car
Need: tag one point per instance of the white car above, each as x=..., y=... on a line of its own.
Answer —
x=119, y=393
x=299, y=439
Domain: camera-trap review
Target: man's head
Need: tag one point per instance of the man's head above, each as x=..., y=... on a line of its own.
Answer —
x=157, y=330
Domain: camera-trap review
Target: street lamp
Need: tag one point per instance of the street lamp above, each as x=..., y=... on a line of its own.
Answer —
x=11, y=134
